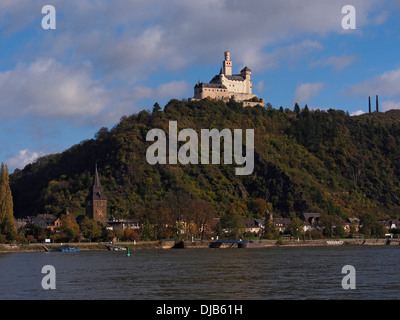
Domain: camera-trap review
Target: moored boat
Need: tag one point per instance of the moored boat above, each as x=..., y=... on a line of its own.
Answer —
x=116, y=248
x=64, y=249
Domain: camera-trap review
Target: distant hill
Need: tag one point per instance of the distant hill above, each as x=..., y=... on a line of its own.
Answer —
x=305, y=161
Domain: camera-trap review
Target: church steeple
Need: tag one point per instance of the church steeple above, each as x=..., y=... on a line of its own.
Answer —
x=96, y=180
x=96, y=201
x=97, y=188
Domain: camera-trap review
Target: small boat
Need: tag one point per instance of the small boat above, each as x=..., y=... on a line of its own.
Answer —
x=64, y=249
x=116, y=248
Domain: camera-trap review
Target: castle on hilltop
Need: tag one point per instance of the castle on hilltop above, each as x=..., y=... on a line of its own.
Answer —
x=226, y=86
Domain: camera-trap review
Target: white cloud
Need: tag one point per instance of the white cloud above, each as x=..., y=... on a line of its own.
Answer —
x=173, y=89
x=306, y=91
x=356, y=113
x=48, y=88
x=287, y=55
x=259, y=86
x=339, y=63
x=129, y=101
x=126, y=38
x=390, y=105
x=385, y=84
x=21, y=159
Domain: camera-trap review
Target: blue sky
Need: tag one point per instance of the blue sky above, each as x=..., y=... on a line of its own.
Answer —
x=106, y=59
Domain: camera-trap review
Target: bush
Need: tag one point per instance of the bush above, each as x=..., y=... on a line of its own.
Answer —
x=280, y=241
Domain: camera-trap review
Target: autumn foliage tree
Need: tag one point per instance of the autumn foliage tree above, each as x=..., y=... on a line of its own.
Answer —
x=69, y=227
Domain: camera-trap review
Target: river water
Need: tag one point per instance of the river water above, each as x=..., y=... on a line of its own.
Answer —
x=291, y=273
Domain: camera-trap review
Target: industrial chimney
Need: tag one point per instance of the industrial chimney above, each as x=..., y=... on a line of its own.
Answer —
x=377, y=104
x=369, y=103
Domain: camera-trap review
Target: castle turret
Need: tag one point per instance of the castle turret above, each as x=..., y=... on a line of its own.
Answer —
x=227, y=64
x=246, y=74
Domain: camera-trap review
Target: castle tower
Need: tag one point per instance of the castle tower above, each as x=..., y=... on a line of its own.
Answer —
x=227, y=64
x=96, y=201
x=246, y=74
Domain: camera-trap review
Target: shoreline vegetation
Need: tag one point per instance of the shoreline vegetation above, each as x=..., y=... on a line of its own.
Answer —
x=169, y=244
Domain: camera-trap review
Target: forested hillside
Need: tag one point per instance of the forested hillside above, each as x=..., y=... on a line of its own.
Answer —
x=305, y=161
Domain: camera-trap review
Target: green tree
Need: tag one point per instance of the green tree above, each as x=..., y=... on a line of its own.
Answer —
x=295, y=227
x=297, y=108
x=370, y=226
x=68, y=235
x=340, y=232
x=156, y=107
x=90, y=229
x=260, y=207
x=332, y=225
x=233, y=223
x=35, y=232
x=119, y=233
x=7, y=222
x=147, y=232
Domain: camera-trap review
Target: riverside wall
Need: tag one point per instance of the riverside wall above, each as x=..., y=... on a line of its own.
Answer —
x=169, y=244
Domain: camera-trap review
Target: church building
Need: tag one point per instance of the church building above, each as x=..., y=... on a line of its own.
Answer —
x=226, y=86
x=96, y=201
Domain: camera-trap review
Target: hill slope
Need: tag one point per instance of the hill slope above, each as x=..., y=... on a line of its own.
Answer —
x=305, y=161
